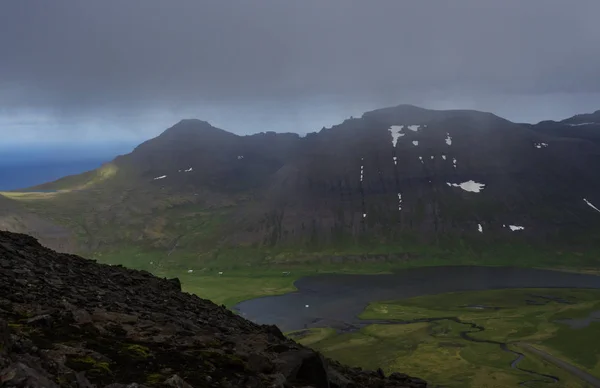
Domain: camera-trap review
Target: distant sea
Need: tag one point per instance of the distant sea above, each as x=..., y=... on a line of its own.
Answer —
x=20, y=176
x=25, y=167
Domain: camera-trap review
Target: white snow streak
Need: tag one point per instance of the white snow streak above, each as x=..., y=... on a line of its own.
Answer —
x=160, y=177
x=454, y=162
x=415, y=143
x=413, y=128
x=432, y=157
x=240, y=157
x=470, y=186
x=399, y=201
x=590, y=205
x=540, y=145
x=188, y=170
x=395, y=160
x=516, y=227
x=361, y=173
x=444, y=157
x=421, y=159
x=577, y=125
x=364, y=215
x=480, y=228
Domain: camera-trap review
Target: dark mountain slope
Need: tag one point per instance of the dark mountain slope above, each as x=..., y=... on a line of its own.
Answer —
x=530, y=180
x=583, y=126
x=69, y=322
x=14, y=217
x=394, y=175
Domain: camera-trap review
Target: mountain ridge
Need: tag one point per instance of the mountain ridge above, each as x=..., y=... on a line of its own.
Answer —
x=394, y=177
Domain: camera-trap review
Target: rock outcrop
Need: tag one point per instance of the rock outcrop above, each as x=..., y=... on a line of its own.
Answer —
x=69, y=322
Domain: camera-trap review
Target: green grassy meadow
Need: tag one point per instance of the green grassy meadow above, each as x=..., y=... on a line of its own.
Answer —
x=436, y=352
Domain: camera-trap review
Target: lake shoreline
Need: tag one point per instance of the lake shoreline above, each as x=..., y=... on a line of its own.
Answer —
x=323, y=298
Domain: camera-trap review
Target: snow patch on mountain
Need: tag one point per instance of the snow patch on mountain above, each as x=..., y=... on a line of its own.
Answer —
x=470, y=186
x=396, y=134
x=448, y=139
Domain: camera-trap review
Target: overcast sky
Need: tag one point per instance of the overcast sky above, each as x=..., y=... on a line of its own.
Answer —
x=127, y=69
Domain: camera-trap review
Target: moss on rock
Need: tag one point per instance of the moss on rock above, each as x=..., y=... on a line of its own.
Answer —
x=137, y=351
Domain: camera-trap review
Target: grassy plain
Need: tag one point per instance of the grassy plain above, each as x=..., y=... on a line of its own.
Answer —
x=437, y=352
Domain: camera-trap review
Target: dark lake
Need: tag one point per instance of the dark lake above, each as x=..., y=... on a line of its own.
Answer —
x=336, y=300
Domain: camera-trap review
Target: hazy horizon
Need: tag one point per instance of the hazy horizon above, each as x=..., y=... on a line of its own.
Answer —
x=92, y=138
x=112, y=71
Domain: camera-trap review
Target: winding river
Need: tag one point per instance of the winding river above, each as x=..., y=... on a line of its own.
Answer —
x=337, y=300
x=466, y=335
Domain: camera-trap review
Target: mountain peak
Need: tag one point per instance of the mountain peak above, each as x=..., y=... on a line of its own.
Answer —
x=192, y=127
x=183, y=135
x=196, y=122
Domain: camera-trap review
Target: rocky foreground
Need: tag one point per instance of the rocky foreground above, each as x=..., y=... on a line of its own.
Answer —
x=69, y=322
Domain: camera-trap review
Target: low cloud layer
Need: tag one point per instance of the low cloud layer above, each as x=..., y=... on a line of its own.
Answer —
x=273, y=62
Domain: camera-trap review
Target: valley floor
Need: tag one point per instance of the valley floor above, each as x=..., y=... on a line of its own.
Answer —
x=495, y=338
x=431, y=336
x=434, y=348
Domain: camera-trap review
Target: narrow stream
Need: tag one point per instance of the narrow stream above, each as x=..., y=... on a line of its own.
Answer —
x=540, y=377
x=466, y=335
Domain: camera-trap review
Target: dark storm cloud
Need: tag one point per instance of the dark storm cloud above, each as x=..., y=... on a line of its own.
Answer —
x=116, y=57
